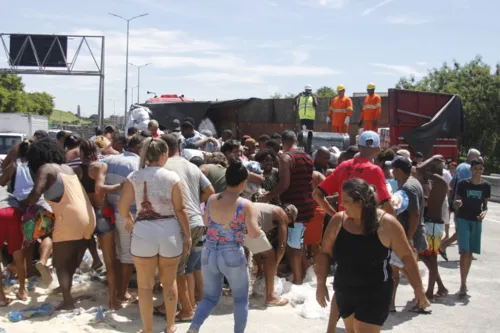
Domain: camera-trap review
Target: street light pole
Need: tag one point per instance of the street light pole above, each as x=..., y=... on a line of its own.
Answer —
x=126, y=56
x=139, y=77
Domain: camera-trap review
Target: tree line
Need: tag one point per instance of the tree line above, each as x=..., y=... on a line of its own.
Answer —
x=13, y=97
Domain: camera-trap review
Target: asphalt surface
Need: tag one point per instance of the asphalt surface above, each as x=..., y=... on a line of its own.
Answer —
x=478, y=313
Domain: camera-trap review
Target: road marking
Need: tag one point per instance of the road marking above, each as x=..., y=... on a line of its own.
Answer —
x=491, y=220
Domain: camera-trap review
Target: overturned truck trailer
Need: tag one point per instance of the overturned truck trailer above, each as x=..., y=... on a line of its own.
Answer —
x=419, y=121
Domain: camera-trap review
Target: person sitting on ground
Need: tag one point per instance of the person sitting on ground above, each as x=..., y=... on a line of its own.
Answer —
x=360, y=239
x=75, y=219
x=472, y=202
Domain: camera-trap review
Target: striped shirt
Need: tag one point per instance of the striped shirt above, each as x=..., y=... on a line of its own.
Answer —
x=299, y=192
x=119, y=167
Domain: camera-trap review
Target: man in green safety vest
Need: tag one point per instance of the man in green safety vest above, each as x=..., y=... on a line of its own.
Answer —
x=306, y=103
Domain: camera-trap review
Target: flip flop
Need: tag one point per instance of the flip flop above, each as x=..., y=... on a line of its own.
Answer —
x=183, y=320
x=418, y=310
x=45, y=309
x=281, y=302
x=157, y=312
x=443, y=254
x=45, y=273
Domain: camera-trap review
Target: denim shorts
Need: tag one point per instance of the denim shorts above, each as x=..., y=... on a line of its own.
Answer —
x=194, y=260
x=296, y=236
x=103, y=224
x=197, y=234
x=469, y=235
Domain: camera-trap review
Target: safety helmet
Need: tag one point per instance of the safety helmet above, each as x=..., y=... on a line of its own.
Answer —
x=371, y=86
x=340, y=87
x=308, y=87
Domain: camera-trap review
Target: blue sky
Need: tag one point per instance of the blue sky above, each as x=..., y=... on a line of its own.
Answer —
x=232, y=49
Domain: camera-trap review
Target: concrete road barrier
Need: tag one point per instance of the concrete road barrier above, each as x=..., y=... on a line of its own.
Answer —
x=494, y=180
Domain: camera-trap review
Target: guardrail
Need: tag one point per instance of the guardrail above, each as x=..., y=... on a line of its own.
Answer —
x=494, y=180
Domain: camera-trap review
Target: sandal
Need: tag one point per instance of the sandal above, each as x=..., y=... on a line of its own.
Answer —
x=443, y=254
x=418, y=310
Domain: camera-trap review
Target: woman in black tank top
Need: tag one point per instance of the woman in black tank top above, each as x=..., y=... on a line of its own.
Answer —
x=361, y=240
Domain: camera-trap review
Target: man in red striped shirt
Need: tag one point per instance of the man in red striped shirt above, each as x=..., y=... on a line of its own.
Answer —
x=295, y=187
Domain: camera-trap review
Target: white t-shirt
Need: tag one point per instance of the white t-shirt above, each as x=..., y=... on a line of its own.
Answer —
x=153, y=192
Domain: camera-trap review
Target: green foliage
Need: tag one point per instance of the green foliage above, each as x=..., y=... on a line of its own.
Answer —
x=479, y=87
x=326, y=92
x=66, y=117
x=13, y=98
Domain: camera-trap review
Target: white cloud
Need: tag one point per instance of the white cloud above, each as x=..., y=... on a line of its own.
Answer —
x=271, y=3
x=375, y=7
x=385, y=73
x=406, y=20
x=299, y=56
x=400, y=69
x=422, y=63
x=220, y=77
x=334, y=4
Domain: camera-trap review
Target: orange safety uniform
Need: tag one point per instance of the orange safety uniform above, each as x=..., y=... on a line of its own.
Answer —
x=371, y=111
x=340, y=108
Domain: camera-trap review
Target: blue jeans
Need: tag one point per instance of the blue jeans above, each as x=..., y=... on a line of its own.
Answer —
x=221, y=260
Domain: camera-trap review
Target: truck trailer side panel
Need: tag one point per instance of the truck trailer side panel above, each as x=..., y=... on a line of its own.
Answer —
x=411, y=109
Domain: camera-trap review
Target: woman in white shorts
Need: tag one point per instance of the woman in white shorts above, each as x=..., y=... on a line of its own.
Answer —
x=160, y=232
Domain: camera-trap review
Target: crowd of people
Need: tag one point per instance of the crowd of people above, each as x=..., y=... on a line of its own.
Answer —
x=193, y=209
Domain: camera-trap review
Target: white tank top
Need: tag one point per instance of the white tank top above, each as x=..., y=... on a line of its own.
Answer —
x=153, y=192
x=24, y=183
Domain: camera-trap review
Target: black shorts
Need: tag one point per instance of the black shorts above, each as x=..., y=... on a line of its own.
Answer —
x=308, y=122
x=369, y=305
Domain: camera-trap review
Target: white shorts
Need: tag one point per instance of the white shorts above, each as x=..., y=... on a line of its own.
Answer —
x=158, y=237
x=446, y=212
x=122, y=241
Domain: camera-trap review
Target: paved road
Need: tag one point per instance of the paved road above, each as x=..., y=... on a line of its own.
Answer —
x=477, y=314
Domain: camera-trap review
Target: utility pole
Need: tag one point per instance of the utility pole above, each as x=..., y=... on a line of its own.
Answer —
x=139, y=78
x=126, y=56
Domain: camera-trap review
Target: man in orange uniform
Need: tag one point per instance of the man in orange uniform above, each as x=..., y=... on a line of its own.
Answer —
x=371, y=110
x=340, y=111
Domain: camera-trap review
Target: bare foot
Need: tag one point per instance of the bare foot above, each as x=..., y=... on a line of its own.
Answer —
x=124, y=299
x=64, y=306
x=115, y=305
x=430, y=296
x=276, y=301
x=183, y=317
x=441, y=293
x=22, y=295
x=463, y=292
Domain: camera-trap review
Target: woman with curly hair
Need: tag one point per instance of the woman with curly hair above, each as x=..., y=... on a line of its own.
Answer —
x=74, y=215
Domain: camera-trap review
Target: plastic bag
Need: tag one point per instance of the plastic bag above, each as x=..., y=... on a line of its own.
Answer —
x=259, y=286
x=138, y=117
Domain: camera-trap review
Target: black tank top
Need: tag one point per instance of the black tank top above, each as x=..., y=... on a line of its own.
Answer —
x=362, y=261
x=87, y=182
